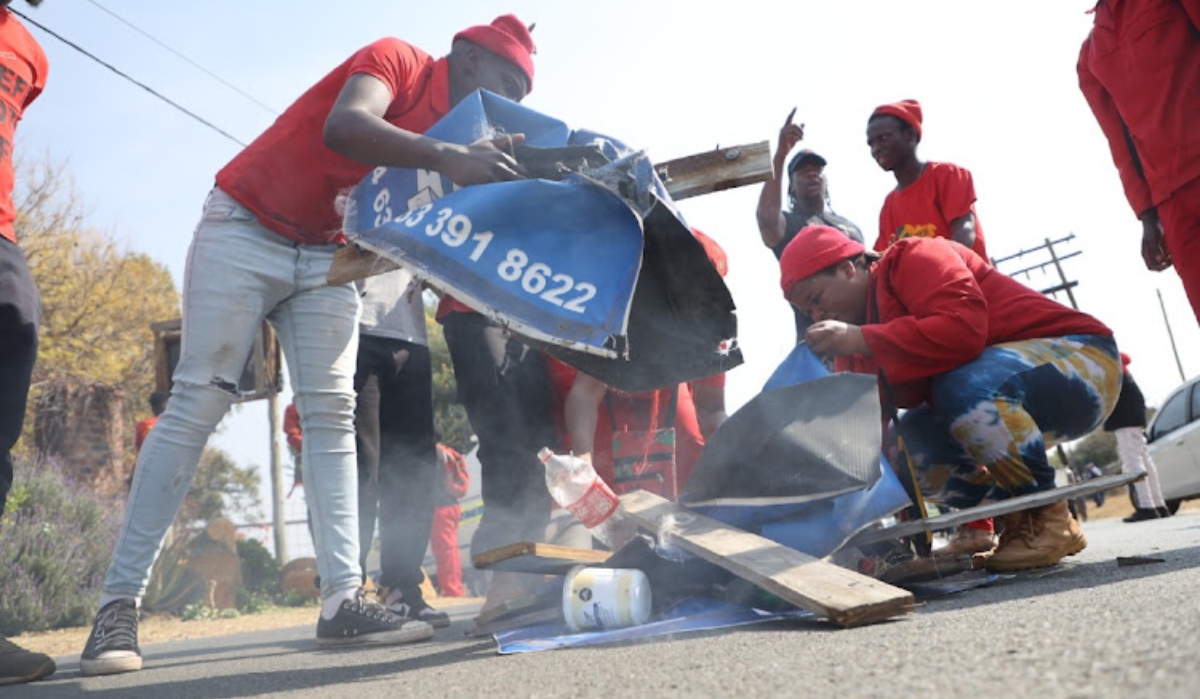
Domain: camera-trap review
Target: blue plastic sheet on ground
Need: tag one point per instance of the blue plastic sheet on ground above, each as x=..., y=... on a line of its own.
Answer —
x=692, y=614
x=819, y=526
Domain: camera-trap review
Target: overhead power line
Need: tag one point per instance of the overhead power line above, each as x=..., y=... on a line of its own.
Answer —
x=114, y=69
x=194, y=64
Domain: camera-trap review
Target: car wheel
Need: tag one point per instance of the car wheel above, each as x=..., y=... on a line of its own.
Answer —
x=1173, y=505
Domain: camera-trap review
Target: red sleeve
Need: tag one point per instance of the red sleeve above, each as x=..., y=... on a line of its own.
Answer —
x=886, y=228
x=956, y=191
x=458, y=479
x=142, y=430
x=1192, y=9
x=392, y=61
x=1119, y=144
x=291, y=427
x=942, y=321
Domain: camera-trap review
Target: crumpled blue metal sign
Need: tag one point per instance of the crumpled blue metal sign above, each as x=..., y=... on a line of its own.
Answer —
x=556, y=261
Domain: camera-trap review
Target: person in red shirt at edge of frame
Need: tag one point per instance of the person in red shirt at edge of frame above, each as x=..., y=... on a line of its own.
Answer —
x=158, y=403
x=25, y=66
x=443, y=535
x=1139, y=70
x=263, y=250
x=990, y=372
x=931, y=200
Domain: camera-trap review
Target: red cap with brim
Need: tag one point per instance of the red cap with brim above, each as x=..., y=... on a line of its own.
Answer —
x=715, y=253
x=508, y=38
x=908, y=111
x=813, y=249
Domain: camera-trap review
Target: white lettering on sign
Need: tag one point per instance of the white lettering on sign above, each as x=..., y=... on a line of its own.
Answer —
x=455, y=230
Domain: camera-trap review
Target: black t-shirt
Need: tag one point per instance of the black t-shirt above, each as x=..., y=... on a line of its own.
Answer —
x=793, y=222
x=1130, y=410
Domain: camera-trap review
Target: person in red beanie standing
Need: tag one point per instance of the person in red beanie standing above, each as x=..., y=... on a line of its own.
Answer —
x=931, y=199
x=25, y=67
x=262, y=251
x=989, y=372
x=1139, y=70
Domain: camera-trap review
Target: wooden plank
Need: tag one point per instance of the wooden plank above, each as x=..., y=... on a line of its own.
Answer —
x=842, y=596
x=716, y=170
x=529, y=557
x=995, y=509
x=690, y=176
x=351, y=263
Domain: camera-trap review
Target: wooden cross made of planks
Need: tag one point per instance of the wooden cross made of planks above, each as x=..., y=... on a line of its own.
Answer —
x=691, y=176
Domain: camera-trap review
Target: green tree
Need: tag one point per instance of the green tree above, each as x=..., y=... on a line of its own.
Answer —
x=221, y=488
x=1099, y=448
x=448, y=413
x=98, y=298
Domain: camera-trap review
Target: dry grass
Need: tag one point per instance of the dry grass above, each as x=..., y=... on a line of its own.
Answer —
x=160, y=628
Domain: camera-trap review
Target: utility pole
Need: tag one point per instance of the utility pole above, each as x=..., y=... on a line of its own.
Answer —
x=279, y=518
x=1170, y=335
x=1064, y=284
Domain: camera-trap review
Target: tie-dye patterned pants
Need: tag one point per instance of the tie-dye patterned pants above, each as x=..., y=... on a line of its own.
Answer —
x=985, y=434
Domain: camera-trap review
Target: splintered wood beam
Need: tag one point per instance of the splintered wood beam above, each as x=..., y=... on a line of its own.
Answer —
x=690, y=176
x=842, y=596
x=532, y=557
x=716, y=170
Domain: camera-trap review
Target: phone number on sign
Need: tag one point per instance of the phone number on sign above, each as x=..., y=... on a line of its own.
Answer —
x=456, y=230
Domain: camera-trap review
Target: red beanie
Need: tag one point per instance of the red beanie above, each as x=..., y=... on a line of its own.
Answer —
x=908, y=111
x=1125, y=359
x=508, y=38
x=813, y=249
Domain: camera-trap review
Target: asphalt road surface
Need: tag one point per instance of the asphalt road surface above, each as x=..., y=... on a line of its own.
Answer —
x=1087, y=628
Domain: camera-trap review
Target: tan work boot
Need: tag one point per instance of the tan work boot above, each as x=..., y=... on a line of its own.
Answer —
x=1037, y=539
x=968, y=541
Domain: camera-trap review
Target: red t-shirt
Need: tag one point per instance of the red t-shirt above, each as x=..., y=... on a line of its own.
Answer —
x=291, y=427
x=143, y=430
x=643, y=411
x=290, y=179
x=925, y=208
x=23, y=68
x=939, y=305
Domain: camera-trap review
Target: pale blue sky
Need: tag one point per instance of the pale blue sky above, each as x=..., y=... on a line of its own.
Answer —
x=996, y=80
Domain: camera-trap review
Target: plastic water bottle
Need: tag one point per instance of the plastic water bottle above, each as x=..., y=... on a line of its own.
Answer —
x=578, y=489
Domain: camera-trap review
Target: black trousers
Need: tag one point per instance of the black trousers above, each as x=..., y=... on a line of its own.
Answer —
x=397, y=456
x=506, y=391
x=20, y=313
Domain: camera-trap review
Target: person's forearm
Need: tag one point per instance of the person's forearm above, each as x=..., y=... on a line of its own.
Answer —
x=368, y=139
x=962, y=230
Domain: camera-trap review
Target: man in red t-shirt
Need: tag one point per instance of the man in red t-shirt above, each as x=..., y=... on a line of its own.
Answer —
x=931, y=200
x=988, y=371
x=23, y=68
x=1139, y=69
x=263, y=250
x=158, y=403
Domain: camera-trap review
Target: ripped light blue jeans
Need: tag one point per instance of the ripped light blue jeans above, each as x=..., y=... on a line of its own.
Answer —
x=238, y=274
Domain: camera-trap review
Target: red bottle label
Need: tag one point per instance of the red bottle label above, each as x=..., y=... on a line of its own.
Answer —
x=595, y=506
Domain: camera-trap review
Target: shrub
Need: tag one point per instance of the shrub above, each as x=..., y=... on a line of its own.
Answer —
x=56, y=540
x=260, y=570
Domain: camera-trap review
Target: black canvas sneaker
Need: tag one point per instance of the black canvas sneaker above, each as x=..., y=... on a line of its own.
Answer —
x=112, y=647
x=363, y=621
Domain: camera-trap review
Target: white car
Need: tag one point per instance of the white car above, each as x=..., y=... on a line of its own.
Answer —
x=1174, y=436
